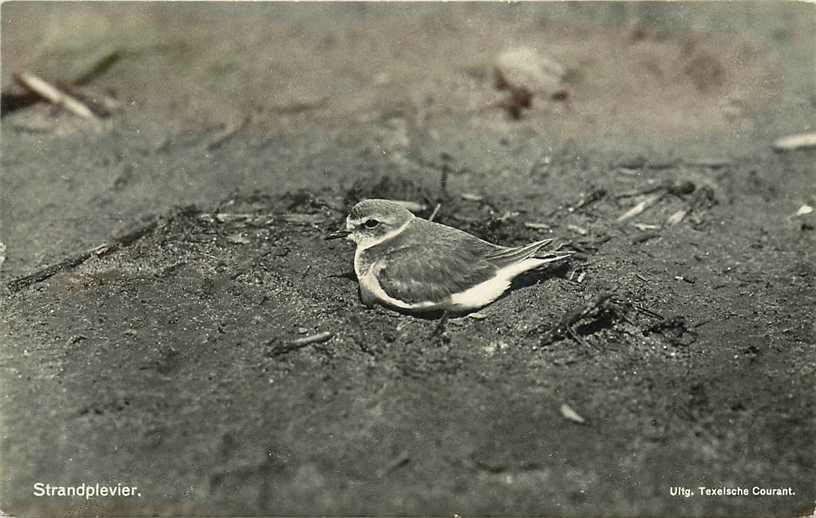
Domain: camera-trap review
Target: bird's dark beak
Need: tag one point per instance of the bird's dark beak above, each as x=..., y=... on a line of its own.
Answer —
x=337, y=234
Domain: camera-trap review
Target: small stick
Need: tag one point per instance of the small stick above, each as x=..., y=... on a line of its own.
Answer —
x=676, y=187
x=537, y=226
x=77, y=259
x=793, y=142
x=300, y=343
x=704, y=322
x=677, y=217
x=640, y=207
x=648, y=312
x=312, y=339
x=50, y=270
x=299, y=106
x=54, y=95
x=135, y=232
x=99, y=67
x=435, y=212
x=229, y=131
x=578, y=230
x=644, y=236
x=399, y=461
x=711, y=163
x=640, y=192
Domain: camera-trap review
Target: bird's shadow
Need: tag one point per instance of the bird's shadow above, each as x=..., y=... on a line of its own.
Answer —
x=350, y=275
x=532, y=277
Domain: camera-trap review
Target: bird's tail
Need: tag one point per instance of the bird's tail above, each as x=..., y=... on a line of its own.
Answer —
x=555, y=256
x=510, y=255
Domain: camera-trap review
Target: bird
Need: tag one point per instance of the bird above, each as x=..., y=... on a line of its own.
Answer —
x=414, y=265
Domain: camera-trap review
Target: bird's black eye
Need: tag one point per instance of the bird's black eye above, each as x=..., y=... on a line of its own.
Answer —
x=371, y=223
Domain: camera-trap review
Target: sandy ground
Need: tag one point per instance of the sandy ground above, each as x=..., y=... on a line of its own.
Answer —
x=236, y=136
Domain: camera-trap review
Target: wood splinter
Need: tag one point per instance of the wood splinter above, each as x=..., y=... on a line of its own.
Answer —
x=54, y=95
x=300, y=343
x=435, y=212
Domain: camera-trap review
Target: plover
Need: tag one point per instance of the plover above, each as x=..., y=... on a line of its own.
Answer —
x=408, y=263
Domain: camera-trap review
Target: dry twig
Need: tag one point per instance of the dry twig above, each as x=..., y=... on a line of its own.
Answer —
x=793, y=142
x=75, y=260
x=300, y=343
x=54, y=95
x=435, y=212
x=400, y=460
x=640, y=207
x=227, y=133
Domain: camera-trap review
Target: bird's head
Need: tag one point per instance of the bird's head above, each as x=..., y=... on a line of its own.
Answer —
x=372, y=221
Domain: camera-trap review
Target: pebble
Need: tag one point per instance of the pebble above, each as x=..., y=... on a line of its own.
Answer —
x=525, y=69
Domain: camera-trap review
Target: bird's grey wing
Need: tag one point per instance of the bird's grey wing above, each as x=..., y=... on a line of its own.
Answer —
x=432, y=270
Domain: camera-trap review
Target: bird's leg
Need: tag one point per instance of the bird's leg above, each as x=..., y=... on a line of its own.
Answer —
x=440, y=327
